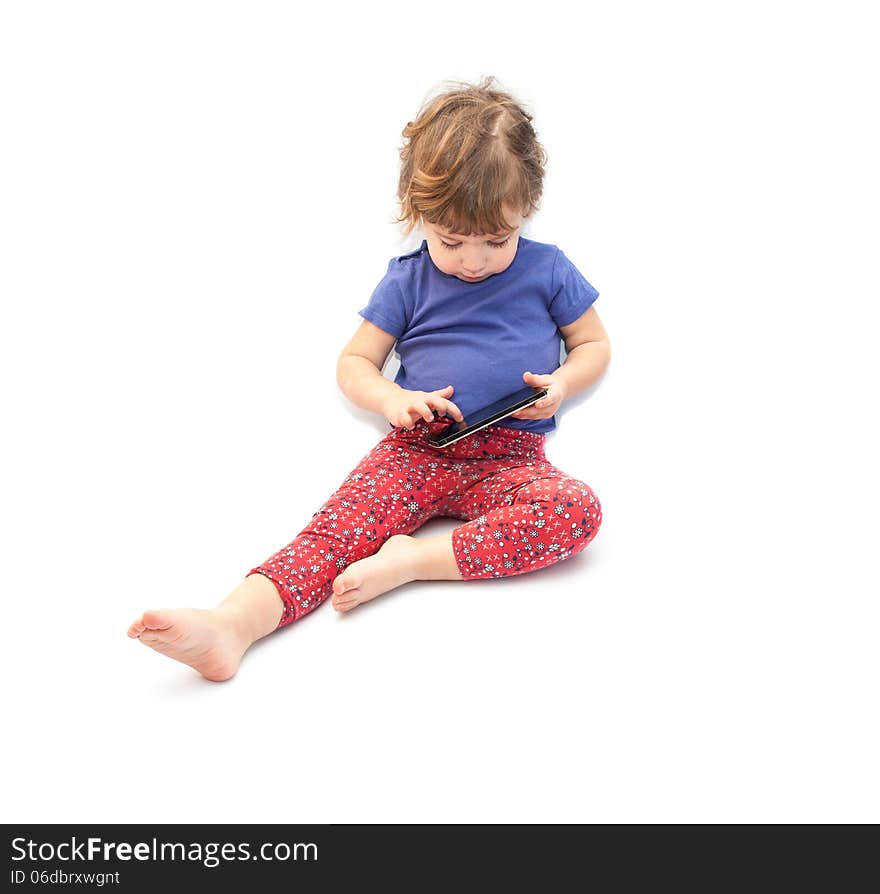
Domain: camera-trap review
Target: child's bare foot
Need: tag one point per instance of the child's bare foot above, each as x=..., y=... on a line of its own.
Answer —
x=396, y=563
x=208, y=640
x=213, y=640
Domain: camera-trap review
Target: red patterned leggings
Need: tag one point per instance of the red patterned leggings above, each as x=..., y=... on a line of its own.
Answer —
x=522, y=513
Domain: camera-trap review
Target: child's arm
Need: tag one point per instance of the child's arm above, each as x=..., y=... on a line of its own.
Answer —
x=359, y=368
x=359, y=375
x=589, y=352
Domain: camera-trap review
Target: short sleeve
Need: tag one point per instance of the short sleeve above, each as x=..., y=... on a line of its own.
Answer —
x=388, y=307
x=570, y=293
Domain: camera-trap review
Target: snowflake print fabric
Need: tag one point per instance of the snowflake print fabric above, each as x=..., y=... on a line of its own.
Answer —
x=521, y=513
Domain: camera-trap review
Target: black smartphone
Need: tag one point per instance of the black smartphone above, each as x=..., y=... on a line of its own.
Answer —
x=487, y=416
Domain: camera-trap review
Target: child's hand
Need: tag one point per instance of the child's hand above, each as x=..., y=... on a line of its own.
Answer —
x=405, y=408
x=547, y=405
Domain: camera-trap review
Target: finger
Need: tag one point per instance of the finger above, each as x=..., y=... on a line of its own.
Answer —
x=425, y=412
x=453, y=411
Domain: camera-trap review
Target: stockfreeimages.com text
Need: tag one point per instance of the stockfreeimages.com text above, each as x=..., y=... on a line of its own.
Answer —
x=210, y=854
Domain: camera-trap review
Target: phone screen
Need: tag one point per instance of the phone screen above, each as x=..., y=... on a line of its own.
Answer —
x=486, y=416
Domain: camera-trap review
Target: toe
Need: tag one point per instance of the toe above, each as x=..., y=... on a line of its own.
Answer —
x=156, y=620
x=342, y=583
x=346, y=602
x=136, y=629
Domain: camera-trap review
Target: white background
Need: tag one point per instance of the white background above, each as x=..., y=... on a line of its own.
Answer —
x=196, y=200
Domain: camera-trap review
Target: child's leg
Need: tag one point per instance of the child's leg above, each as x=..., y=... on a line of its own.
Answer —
x=524, y=514
x=524, y=519
x=541, y=521
x=392, y=491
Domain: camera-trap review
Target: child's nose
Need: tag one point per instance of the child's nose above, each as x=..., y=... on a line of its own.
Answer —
x=474, y=265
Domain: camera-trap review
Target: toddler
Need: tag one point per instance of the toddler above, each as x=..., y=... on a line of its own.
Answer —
x=476, y=312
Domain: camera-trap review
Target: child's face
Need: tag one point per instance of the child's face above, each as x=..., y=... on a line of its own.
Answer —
x=473, y=258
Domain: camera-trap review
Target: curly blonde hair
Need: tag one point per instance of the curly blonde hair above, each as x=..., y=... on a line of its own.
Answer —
x=470, y=151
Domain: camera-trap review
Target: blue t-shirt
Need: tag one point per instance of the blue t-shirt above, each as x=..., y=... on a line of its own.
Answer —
x=480, y=337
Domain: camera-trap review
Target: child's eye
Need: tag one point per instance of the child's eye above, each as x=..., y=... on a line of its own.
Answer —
x=458, y=244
